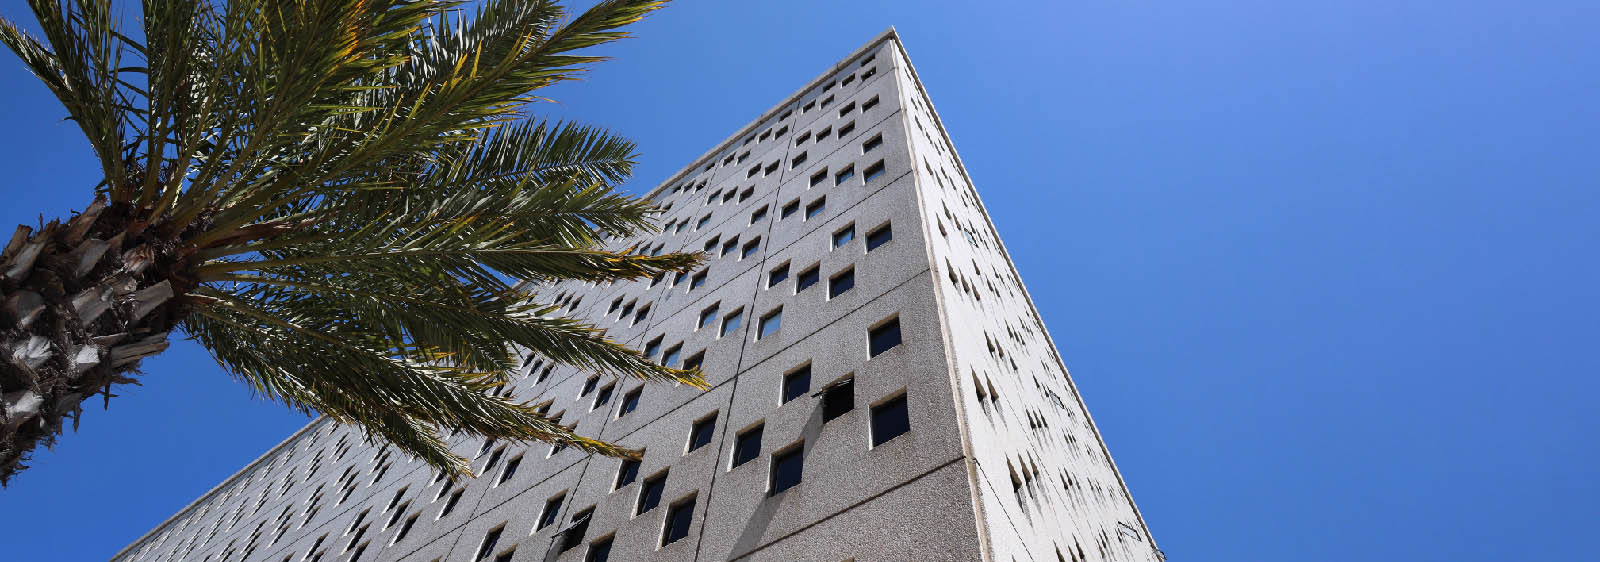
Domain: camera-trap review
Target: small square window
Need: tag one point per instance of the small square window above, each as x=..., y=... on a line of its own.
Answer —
x=796, y=383
x=785, y=115
x=879, y=236
x=726, y=197
x=694, y=361
x=819, y=176
x=748, y=191
x=824, y=133
x=650, y=493
x=869, y=104
x=552, y=511
x=872, y=143
x=825, y=102
x=486, y=547
x=869, y=73
x=707, y=316
x=678, y=520
x=884, y=337
x=778, y=274
x=787, y=467
x=588, y=386
x=843, y=111
x=838, y=399
x=764, y=135
x=614, y=305
x=727, y=247
x=599, y=551
x=630, y=402
x=700, y=435
x=847, y=80
x=845, y=174
x=841, y=283
x=844, y=235
x=771, y=167
x=867, y=60
x=789, y=209
x=826, y=87
x=711, y=245
x=799, y=140
x=750, y=248
x=770, y=323
x=627, y=473
x=626, y=310
x=809, y=106
x=797, y=160
x=874, y=171
x=753, y=171
x=573, y=535
x=816, y=208
x=807, y=278
x=890, y=420
x=747, y=446
x=702, y=222
x=731, y=322
x=744, y=156
x=511, y=470
x=698, y=280
x=604, y=397
x=846, y=129
x=759, y=214
x=671, y=357
x=783, y=129
x=651, y=348
x=643, y=313
x=680, y=227
x=713, y=197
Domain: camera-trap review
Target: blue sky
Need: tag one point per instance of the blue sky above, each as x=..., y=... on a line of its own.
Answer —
x=1324, y=272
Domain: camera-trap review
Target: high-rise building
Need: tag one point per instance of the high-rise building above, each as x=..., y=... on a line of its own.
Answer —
x=883, y=388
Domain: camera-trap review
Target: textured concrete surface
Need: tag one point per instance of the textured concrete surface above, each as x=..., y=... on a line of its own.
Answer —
x=1014, y=471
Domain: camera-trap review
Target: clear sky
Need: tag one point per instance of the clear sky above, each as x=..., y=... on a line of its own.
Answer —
x=1324, y=271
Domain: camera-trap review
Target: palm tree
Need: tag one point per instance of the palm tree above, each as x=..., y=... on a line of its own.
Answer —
x=339, y=199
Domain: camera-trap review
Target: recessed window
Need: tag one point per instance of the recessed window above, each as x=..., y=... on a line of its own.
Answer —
x=809, y=106
x=678, y=279
x=626, y=473
x=573, y=536
x=869, y=73
x=787, y=467
x=726, y=197
x=599, y=551
x=614, y=305
x=843, y=111
x=764, y=135
x=626, y=310
x=552, y=511
x=789, y=209
x=879, y=236
x=844, y=235
x=678, y=519
x=759, y=214
x=450, y=504
x=604, y=397
x=706, y=316
x=713, y=197
x=841, y=283
x=783, y=129
x=819, y=176
x=890, y=420
x=799, y=140
x=826, y=87
x=588, y=386
x=750, y=248
x=869, y=104
x=650, y=493
x=695, y=361
x=747, y=446
x=838, y=399
x=700, y=434
x=487, y=546
x=753, y=171
x=778, y=274
x=846, y=129
x=824, y=133
x=727, y=247
x=816, y=208
x=698, y=280
x=511, y=470
x=702, y=222
x=797, y=160
x=644, y=312
x=748, y=191
x=731, y=322
x=679, y=229
x=671, y=358
x=771, y=167
x=845, y=174
x=770, y=323
x=884, y=337
x=807, y=278
x=872, y=143
x=874, y=171
x=709, y=246
x=847, y=80
x=494, y=459
x=630, y=402
x=650, y=349
x=796, y=383
x=406, y=528
x=744, y=156
x=826, y=101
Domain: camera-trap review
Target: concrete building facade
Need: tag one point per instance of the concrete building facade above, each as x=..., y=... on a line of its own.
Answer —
x=883, y=388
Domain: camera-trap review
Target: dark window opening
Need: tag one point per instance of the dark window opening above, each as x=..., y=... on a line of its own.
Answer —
x=630, y=402
x=777, y=275
x=838, y=399
x=678, y=519
x=841, y=283
x=884, y=337
x=747, y=446
x=807, y=278
x=878, y=237
x=650, y=494
x=552, y=511
x=890, y=420
x=796, y=383
x=700, y=434
x=627, y=473
x=786, y=469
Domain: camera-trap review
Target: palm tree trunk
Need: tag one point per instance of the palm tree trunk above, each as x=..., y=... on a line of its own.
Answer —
x=81, y=303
